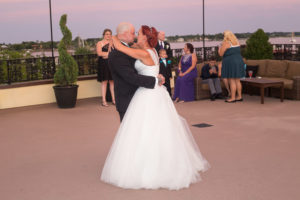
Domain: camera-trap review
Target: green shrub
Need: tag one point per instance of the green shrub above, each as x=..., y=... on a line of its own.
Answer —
x=82, y=51
x=3, y=72
x=258, y=46
x=67, y=69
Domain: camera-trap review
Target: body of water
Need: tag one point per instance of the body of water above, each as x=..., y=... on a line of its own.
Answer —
x=279, y=40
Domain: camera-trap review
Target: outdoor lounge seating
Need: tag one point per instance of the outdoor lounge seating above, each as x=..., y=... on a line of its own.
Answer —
x=283, y=70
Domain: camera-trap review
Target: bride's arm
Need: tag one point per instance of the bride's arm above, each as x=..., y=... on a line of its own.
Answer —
x=140, y=54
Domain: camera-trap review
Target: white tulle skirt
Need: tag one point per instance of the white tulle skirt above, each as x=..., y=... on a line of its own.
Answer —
x=154, y=147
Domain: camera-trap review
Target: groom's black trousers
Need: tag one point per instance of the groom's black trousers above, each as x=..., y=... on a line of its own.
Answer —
x=121, y=115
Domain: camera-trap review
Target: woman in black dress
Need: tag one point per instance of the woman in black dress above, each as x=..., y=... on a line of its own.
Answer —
x=103, y=72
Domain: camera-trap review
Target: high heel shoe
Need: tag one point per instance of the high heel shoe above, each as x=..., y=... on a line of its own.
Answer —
x=232, y=101
x=104, y=104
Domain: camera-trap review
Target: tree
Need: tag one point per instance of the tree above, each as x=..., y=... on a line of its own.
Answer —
x=67, y=70
x=258, y=46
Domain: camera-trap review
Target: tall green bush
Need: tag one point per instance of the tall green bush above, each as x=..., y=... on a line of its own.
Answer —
x=258, y=46
x=67, y=69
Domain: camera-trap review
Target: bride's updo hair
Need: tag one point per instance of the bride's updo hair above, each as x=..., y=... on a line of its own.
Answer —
x=151, y=35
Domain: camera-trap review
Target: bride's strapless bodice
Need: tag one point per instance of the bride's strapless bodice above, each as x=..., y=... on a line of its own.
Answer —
x=146, y=69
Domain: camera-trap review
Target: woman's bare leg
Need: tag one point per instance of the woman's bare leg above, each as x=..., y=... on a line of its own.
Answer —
x=111, y=86
x=103, y=89
x=225, y=81
x=239, y=88
x=232, y=89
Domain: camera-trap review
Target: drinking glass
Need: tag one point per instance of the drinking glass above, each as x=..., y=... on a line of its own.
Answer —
x=250, y=73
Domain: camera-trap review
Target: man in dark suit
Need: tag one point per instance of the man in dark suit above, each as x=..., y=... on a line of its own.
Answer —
x=165, y=68
x=162, y=44
x=126, y=79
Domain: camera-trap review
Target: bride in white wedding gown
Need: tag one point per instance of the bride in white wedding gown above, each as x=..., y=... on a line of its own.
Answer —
x=154, y=147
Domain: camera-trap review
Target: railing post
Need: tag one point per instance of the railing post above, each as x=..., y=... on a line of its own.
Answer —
x=8, y=72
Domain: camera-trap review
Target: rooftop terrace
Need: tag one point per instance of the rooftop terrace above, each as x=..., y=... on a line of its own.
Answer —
x=58, y=154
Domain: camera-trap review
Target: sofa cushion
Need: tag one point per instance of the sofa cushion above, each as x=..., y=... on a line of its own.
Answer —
x=276, y=68
x=288, y=83
x=293, y=69
x=262, y=66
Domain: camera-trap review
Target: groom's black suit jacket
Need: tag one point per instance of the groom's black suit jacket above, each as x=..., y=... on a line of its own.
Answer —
x=126, y=79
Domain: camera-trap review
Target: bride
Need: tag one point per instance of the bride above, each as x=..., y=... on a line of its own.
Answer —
x=154, y=147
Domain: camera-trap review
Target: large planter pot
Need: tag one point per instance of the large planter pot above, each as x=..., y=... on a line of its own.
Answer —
x=66, y=96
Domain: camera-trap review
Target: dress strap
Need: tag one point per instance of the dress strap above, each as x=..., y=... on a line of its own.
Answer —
x=154, y=55
x=231, y=45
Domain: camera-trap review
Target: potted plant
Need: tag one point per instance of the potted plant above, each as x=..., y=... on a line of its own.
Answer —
x=65, y=77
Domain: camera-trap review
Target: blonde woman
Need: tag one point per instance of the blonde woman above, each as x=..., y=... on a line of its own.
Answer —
x=232, y=65
x=103, y=72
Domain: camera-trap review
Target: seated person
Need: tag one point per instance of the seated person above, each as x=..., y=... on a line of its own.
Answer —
x=184, y=89
x=165, y=68
x=209, y=74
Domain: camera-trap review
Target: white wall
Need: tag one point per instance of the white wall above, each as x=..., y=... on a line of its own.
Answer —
x=41, y=94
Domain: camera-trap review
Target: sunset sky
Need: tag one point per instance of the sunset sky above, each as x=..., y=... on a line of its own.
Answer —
x=28, y=20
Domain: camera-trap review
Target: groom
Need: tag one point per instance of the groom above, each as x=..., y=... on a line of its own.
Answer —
x=126, y=79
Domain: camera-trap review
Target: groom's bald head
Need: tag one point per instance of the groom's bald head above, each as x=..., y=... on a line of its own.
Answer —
x=126, y=32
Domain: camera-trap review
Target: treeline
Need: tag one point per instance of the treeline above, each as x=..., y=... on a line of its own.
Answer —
x=47, y=45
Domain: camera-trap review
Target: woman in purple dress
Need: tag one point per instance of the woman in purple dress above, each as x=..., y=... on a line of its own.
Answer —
x=184, y=87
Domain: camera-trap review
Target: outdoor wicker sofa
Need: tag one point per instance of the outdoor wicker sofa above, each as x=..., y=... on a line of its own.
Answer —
x=283, y=70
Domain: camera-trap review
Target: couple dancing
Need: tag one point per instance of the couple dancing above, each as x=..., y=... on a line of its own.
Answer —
x=153, y=147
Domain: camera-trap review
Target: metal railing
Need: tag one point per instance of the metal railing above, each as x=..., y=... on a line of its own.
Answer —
x=30, y=69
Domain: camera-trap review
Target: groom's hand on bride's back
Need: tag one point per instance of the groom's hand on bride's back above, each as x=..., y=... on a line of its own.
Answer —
x=161, y=79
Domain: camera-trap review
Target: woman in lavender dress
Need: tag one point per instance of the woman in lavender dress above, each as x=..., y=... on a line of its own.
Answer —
x=184, y=87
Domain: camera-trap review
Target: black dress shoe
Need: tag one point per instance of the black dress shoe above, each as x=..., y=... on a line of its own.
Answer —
x=241, y=99
x=220, y=96
x=213, y=97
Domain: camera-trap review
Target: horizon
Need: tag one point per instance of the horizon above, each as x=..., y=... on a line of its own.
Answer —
x=29, y=20
x=169, y=36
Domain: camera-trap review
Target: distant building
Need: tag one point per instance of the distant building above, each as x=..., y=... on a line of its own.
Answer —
x=293, y=40
x=4, y=46
x=180, y=40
